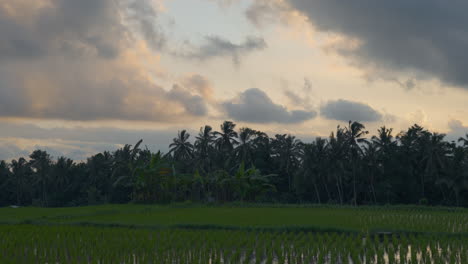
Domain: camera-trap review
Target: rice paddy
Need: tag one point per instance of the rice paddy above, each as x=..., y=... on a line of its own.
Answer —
x=233, y=234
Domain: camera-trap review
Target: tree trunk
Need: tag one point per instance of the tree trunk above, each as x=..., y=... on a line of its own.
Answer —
x=317, y=192
x=326, y=189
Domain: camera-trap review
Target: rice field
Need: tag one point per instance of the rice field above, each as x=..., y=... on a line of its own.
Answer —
x=253, y=234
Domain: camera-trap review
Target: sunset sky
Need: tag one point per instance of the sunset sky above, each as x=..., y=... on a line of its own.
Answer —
x=80, y=77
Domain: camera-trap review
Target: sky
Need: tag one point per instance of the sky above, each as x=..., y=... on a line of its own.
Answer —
x=81, y=77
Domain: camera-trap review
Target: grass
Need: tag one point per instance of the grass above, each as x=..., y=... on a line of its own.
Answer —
x=345, y=219
x=65, y=244
x=236, y=233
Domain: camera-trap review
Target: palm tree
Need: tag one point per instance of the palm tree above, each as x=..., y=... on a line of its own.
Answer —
x=372, y=166
x=244, y=151
x=124, y=165
x=354, y=133
x=286, y=150
x=5, y=183
x=60, y=180
x=41, y=162
x=181, y=148
x=313, y=158
x=21, y=170
x=337, y=156
x=384, y=139
x=435, y=151
x=411, y=152
x=456, y=179
x=226, y=139
x=99, y=169
x=203, y=147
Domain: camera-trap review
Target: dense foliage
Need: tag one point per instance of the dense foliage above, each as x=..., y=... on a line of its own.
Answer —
x=414, y=166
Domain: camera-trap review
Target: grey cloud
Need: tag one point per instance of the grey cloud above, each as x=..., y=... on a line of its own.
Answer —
x=57, y=29
x=215, y=46
x=145, y=17
x=418, y=37
x=75, y=95
x=343, y=110
x=70, y=27
x=254, y=105
x=69, y=60
x=194, y=104
x=456, y=130
x=200, y=85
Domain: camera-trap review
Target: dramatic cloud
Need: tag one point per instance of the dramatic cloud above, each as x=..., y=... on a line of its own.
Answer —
x=415, y=36
x=343, y=110
x=71, y=28
x=75, y=95
x=215, y=46
x=255, y=106
x=87, y=60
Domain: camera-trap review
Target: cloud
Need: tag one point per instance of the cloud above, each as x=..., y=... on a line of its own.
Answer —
x=200, y=85
x=62, y=27
x=194, y=104
x=87, y=60
x=216, y=46
x=344, y=110
x=456, y=130
x=254, y=105
x=77, y=94
x=302, y=100
x=144, y=17
x=428, y=37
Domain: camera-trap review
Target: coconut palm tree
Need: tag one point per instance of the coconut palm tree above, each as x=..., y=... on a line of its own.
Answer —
x=337, y=156
x=41, y=163
x=354, y=134
x=181, y=148
x=225, y=142
x=21, y=171
x=245, y=150
x=286, y=151
x=203, y=147
x=411, y=150
x=227, y=138
x=434, y=159
x=6, y=187
x=125, y=162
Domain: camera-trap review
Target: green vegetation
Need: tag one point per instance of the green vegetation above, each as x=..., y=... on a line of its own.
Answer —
x=251, y=217
x=32, y=244
x=247, y=233
x=243, y=197
x=245, y=165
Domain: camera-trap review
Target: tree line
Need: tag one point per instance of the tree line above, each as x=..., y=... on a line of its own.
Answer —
x=415, y=166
